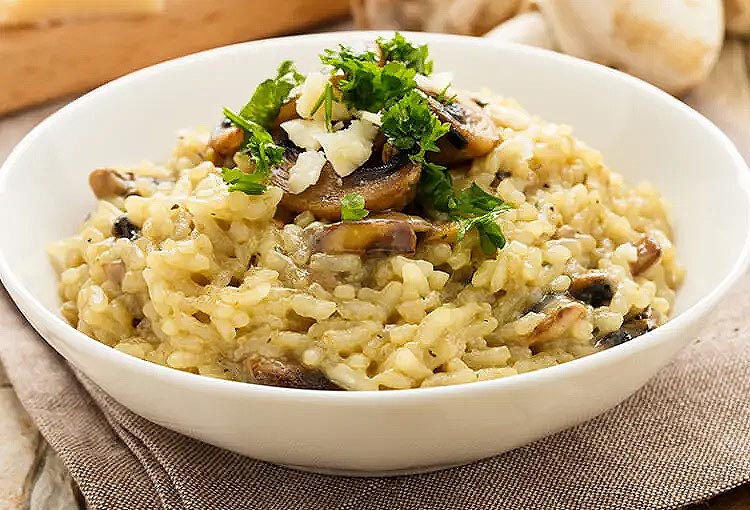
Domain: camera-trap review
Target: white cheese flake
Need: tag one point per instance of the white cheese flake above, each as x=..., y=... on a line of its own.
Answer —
x=311, y=90
x=306, y=171
x=374, y=118
x=435, y=83
x=349, y=148
x=302, y=132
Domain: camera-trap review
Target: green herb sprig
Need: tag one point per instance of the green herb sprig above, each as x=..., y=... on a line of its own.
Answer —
x=271, y=94
x=353, y=207
x=365, y=85
x=263, y=152
x=410, y=126
x=398, y=49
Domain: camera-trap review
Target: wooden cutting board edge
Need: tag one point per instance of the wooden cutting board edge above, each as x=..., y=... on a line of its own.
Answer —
x=44, y=63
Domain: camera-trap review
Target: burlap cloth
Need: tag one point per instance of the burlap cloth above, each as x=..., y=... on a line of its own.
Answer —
x=683, y=438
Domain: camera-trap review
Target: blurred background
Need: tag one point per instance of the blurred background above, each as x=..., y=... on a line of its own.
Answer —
x=693, y=49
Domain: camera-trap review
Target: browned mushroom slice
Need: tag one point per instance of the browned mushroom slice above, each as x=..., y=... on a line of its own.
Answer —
x=288, y=111
x=366, y=237
x=226, y=138
x=560, y=316
x=286, y=373
x=472, y=133
x=387, y=186
x=443, y=233
x=593, y=287
x=649, y=253
x=109, y=183
x=418, y=223
x=631, y=328
x=114, y=271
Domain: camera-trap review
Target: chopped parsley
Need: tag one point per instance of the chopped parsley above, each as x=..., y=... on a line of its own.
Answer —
x=263, y=152
x=435, y=187
x=365, y=85
x=411, y=127
x=471, y=208
x=353, y=207
x=250, y=184
x=399, y=49
x=325, y=100
x=475, y=208
x=444, y=98
x=271, y=94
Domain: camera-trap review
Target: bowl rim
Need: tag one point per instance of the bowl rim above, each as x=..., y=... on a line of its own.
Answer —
x=68, y=334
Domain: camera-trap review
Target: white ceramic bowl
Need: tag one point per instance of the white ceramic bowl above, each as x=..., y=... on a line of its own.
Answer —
x=643, y=133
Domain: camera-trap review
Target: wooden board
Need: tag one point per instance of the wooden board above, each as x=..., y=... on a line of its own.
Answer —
x=42, y=63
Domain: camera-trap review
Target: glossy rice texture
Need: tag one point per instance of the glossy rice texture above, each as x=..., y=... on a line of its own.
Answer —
x=213, y=280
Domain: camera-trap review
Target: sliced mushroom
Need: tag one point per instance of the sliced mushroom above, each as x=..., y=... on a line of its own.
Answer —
x=594, y=288
x=633, y=327
x=561, y=314
x=385, y=186
x=125, y=229
x=366, y=237
x=286, y=373
x=114, y=271
x=472, y=133
x=109, y=183
x=418, y=223
x=649, y=253
x=226, y=138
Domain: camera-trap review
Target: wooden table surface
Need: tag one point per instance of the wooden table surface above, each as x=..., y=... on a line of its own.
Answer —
x=32, y=476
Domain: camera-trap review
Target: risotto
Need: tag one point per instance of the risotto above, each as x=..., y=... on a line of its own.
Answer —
x=369, y=227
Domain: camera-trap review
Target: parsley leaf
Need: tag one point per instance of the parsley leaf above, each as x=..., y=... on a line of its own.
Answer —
x=474, y=201
x=250, y=184
x=271, y=94
x=475, y=208
x=490, y=236
x=353, y=207
x=411, y=127
x=399, y=49
x=435, y=187
x=325, y=100
x=471, y=208
x=262, y=150
x=365, y=85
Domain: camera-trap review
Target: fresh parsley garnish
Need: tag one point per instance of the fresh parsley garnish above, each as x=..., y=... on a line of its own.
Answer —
x=491, y=238
x=325, y=100
x=444, y=98
x=399, y=49
x=353, y=207
x=263, y=152
x=475, y=208
x=365, y=85
x=250, y=184
x=435, y=187
x=410, y=126
x=471, y=208
x=271, y=94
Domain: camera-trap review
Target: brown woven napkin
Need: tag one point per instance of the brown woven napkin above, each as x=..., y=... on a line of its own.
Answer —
x=685, y=437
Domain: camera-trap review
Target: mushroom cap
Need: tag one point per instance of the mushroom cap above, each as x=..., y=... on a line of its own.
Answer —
x=737, y=14
x=366, y=237
x=472, y=133
x=671, y=43
x=387, y=186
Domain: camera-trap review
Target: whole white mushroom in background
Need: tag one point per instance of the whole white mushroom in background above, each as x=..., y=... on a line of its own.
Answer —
x=737, y=13
x=470, y=17
x=671, y=43
x=527, y=28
